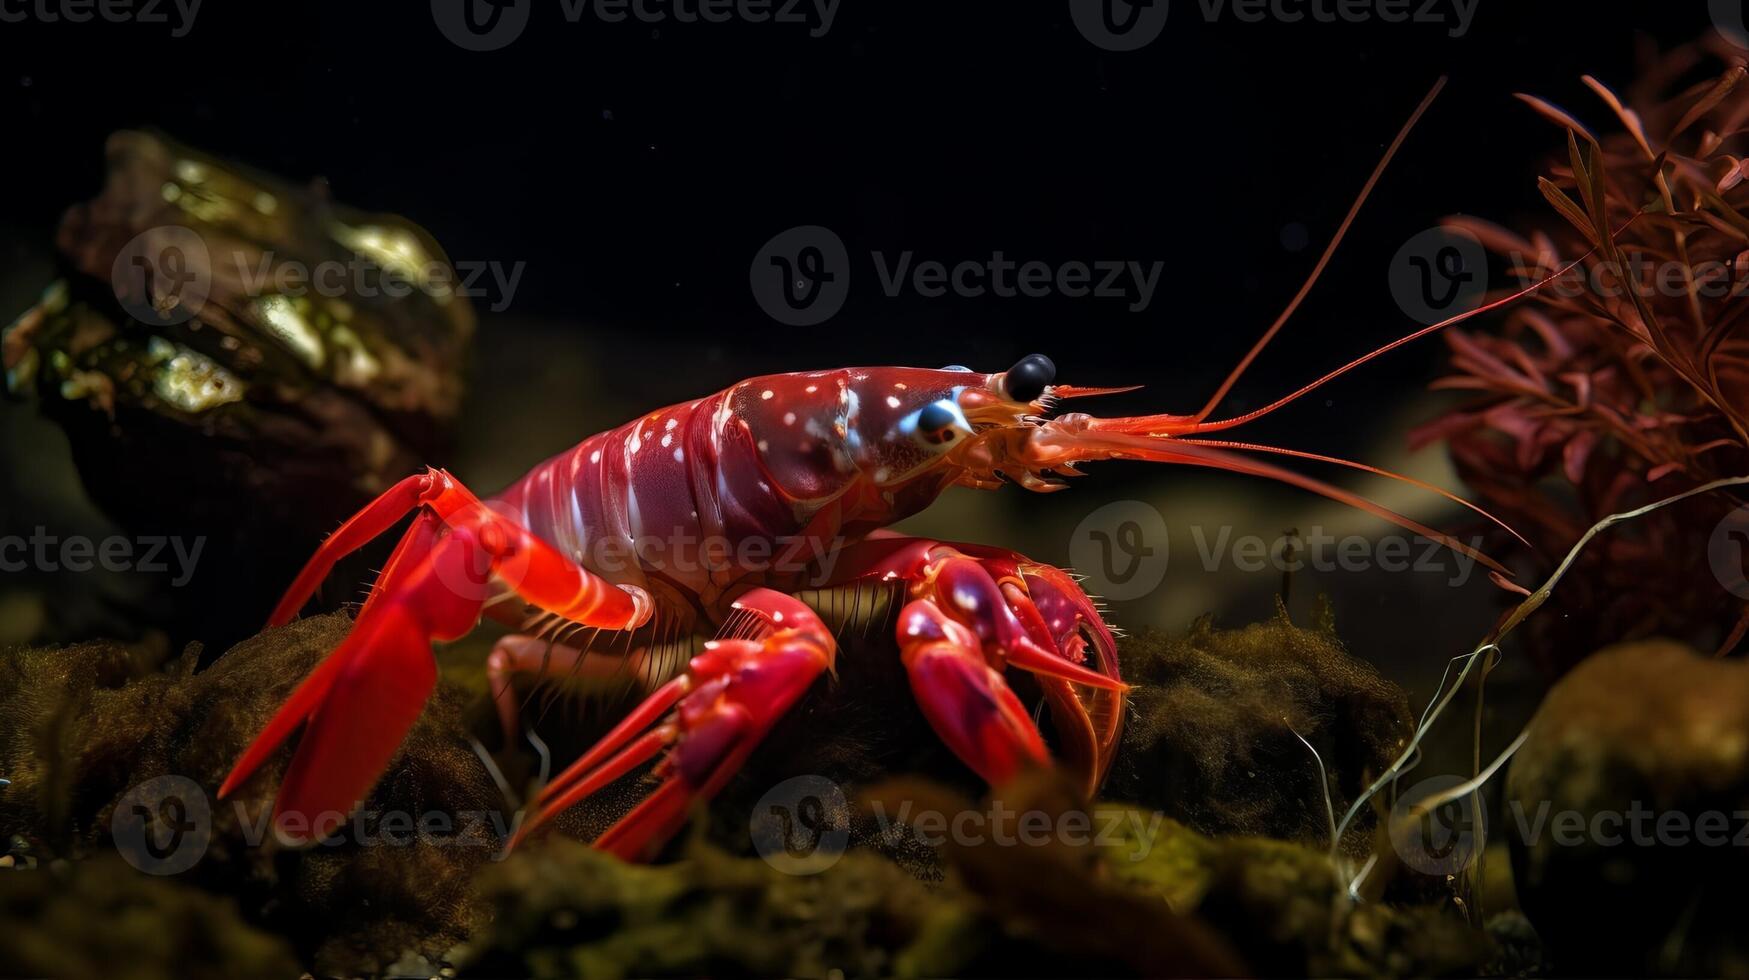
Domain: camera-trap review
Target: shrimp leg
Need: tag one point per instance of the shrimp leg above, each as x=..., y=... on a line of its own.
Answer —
x=358, y=704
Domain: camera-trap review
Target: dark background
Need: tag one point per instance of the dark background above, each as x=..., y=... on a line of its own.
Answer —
x=637, y=169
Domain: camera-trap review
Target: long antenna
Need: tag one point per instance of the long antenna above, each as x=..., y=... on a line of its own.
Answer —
x=1324, y=259
x=1393, y=345
x=1363, y=467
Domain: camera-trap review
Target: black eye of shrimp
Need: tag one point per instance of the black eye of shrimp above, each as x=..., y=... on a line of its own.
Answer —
x=1026, y=380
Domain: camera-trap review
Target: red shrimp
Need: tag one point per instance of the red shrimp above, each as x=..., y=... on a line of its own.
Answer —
x=798, y=475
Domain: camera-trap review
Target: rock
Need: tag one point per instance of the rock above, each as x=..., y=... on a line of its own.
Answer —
x=1133, y=891
x=88, y=726
x=101, y=918
x=1627, y=811
x=239, y=359
x=560, y=909
x=1284, y=906
x=1520, y=948
x=1138, y=894
x=1211, y=737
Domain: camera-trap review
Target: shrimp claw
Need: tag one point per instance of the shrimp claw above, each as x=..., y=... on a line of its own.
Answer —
x=722, y=707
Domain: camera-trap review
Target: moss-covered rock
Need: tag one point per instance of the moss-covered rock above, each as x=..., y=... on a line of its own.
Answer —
x=1137, y=894
x=1214, y=734
x=1129, y=894
x=563, y=909
x=1626, y=811
x=1285, y=907
x=101, y=918
x=88, y=724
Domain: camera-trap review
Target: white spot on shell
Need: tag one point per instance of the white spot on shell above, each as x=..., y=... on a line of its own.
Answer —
x=892, y=402
x=667, y=440
x=766, y=394
x=812, y=388
x=595, y=457
x=789, y=418
x=679, y=454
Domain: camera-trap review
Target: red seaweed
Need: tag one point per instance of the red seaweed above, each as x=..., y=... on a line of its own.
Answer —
x=1627, y=379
